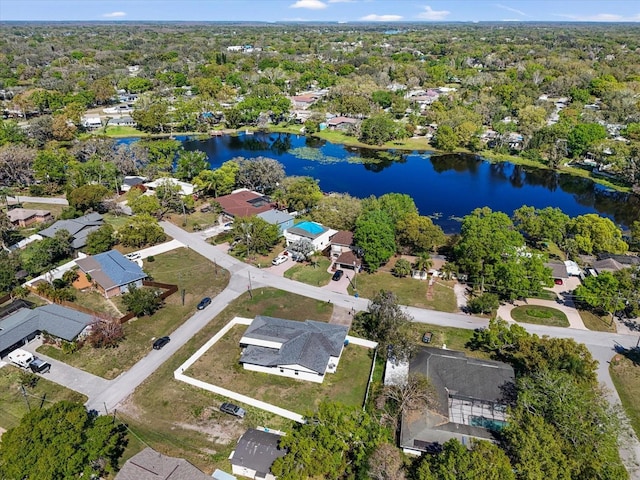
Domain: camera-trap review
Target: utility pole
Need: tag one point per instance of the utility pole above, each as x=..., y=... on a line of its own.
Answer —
x=249, y=286
x=24, y=394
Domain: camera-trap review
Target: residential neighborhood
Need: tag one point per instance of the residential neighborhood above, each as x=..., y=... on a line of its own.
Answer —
x=304, y=249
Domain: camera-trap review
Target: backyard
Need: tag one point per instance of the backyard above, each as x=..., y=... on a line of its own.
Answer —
x=184, y=421
x=182, y=267
x=15, y=404
x=220, y=366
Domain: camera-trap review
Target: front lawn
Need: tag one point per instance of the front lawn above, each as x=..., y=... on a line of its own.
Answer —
x=195, y=221
x=14, y=403
x=220, y=366
x=540, y=315
x=409, y=291
x=183, y=267
x=597, y=323
x=625, y=373
x=184, y=421
x=306, y=273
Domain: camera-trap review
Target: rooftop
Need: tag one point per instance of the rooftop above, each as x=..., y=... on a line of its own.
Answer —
x=343, y=237
x=152, y=465
x=244, y=203
x=79, y=228
x=257, y=450
x=308, y=229
x=17, y=214
x=275, y=217
x=111, y=269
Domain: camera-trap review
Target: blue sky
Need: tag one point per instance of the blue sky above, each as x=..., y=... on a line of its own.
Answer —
x=323, y=10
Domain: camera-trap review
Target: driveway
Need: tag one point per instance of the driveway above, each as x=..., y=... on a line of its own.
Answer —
x=280, y=269
x=575, y=321
x=68, y=376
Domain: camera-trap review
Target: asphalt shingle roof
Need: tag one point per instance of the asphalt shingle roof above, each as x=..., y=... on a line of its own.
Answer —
x=309, y=343
x=55, y=319
x=257, y=450
x=275, y=217
x=111, y=269
x=79, y=228
x=152, y=465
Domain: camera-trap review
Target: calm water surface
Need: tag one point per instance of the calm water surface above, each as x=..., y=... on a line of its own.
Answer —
x=446, y=187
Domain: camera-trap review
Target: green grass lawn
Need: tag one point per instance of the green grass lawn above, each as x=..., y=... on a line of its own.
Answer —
x=183, y=267
x=596, y=322
x=121, y=131
x=625, y=373
x=408, y=290
x=13, y=402
x=116, y=221
x=305, y=273
x=540, y=315
x=546, y=295
x=96, y=302
x=195, y=221
x=220, y=366
x=453, y=338
x=184, y=421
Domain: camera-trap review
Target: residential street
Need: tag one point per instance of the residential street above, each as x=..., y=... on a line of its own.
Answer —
x=109, y=394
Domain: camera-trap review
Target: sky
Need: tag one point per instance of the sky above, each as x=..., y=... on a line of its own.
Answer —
x=385, y=11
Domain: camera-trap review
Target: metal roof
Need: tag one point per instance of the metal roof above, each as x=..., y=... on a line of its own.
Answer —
x=111, y=269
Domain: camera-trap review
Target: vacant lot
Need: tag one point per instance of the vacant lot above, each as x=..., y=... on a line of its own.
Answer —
x=220, y=366
x=184, y=421
x=408, y=290
x=191, y=272
x=625, y=373
x=540, y=315
x=14, y=403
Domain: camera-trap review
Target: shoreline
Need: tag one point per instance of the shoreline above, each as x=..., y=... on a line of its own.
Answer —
x=413, y=144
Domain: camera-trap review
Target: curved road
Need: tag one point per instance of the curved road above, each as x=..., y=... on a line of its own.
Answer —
x=244, y=276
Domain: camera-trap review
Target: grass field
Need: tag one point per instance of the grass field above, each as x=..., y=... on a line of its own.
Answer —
x=14, y=403
x=597, y=323
x=540, y=315
x=183, y=267
x=184, y=421
x=55, y=209
x=305, y=273
x=408, y=290
x=220, y=366
x=625, y=373
x=202, y=220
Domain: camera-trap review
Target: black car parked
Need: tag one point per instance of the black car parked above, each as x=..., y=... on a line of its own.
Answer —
x=204, y=303
x=160, y=342
x=338, y=275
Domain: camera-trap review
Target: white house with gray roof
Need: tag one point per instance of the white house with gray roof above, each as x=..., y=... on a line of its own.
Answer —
x=304, y=350
x=319, y=235
x=24, y=325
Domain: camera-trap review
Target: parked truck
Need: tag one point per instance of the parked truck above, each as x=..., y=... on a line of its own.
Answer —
x=25, y=359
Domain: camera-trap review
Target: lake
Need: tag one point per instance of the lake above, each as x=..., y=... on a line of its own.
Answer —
x=445, y=187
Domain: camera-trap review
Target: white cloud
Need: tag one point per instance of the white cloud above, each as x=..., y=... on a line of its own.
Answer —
x=381, y=18
x=342, y=1
x=431, y=14
x=115, y=15
x=310, y=4
x=601, y=17
x=510, y=9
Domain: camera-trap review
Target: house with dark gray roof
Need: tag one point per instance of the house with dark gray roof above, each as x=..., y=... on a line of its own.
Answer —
x=152, y=465
x=79, y=228
x=255, y=453
x=111, y=272
x=471, y=399
x=24, y=325
x=303, y=350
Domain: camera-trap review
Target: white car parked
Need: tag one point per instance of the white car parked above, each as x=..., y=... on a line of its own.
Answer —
x=133, y=256
x=279, y=260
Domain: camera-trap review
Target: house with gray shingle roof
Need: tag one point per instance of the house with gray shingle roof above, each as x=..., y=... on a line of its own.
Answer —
x=471, y=400
x=111, y=272
x=79, y=228
x=304, y=350
x=152, y=465
x=277, y=217
x=24, y=325
x=255, y=453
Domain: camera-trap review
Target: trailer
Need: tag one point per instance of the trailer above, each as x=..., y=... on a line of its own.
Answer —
x=25, y=359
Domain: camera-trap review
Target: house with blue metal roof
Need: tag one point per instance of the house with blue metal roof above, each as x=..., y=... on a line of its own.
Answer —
x=111, y=272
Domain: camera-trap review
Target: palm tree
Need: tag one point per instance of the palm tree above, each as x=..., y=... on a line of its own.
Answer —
x=448, y=269
x=423, y=263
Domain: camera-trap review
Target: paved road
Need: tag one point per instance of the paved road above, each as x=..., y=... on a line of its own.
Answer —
x=244, y=276
x=49, y=200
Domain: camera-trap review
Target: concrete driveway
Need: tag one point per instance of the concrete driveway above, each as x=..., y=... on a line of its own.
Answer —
x=575, y=321
x=280, y=269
